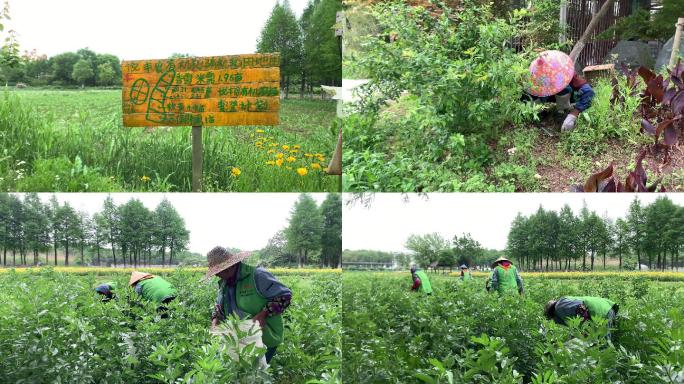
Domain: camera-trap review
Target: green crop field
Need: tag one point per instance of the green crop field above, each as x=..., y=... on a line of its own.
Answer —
x=74, y=140
x=462, y=334
x=55, y=329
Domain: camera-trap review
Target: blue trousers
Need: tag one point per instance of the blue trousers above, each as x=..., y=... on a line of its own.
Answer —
x=270, y=352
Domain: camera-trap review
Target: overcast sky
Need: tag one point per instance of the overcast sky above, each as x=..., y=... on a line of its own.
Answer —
x=240, y=220
x=142, y=29
x=487, y=216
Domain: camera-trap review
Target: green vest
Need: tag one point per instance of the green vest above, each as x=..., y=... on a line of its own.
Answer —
x=425, y=285
x=156, y=289
x=506, y=279
x=249, y=300
x=466, y=276
x=597, y=306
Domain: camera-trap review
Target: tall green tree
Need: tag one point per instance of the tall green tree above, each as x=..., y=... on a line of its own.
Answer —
x=281, y=34
x=83, y=72
x=331, y=236
x=426, y=248
x=305, y=228
x=635, y=221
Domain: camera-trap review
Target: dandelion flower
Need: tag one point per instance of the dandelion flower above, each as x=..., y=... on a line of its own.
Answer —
x=145, y=179
x=308, y=155
x=286, y=147
x=279, y=155
x=279, y=162
x=235, y=172
x=259, y=143
x=270, y=162
x=296, y=146
x=315, y=166
x=294, y=150
x=291, y=159
x=270, y=151
x=260, y=131
x=302, y=171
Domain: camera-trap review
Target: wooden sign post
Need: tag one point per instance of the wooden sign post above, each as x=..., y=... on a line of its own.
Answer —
x=202, y=91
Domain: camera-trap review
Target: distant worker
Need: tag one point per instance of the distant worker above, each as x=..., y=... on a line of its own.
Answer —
x=420, y=281
x=249, y=293
x=153, y=288
x=465, y=273
x=584, y=307
x=106, y=290
x=505, y=277
x=554, y=80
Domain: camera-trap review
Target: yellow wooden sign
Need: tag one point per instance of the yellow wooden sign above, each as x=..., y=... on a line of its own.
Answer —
x=202, y=91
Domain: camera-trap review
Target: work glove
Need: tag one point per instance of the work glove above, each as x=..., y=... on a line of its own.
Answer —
x=563, y=102
x=569, y=123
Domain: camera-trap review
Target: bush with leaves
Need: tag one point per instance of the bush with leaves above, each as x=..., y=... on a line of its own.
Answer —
x=454, y=82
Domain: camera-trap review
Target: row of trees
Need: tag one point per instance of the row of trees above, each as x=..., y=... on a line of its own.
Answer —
x=310, y=53
x=433, y=248
x=650, y=235
x=131, y=234
x=84, y=68
x=312, y=237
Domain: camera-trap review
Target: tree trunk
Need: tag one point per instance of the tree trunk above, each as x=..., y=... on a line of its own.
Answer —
x=98, y=255
x=55, y=253
x=639, y=257
x=66, y=255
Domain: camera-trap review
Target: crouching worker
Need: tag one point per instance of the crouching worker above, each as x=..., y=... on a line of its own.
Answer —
x=421, y=282
x=153, y=288
x=249, y=293
x=585, y=307
x=106, y=290
x=554, y=80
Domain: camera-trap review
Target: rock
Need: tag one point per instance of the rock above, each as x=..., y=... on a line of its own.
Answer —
x=21, y=86
x=664, y=56
x=632, y=53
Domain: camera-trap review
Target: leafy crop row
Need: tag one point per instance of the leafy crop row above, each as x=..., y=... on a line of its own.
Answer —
x=463, y=334
x=54, y=329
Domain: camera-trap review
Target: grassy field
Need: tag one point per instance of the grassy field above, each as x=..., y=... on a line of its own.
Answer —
x=55, y=329
x=74, y=140
x=462, y=334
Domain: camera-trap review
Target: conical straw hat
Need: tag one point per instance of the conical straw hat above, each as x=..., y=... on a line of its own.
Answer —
x=499, y=259
x=137, y=276
x=551, y=72
x=220, y=259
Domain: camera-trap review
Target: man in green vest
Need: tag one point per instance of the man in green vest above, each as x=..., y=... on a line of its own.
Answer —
x=249, y=293
x=153, y=288
x=585, y=307
x=465, y=273
x=106, y=290
x=420, y=281
x=505, y=278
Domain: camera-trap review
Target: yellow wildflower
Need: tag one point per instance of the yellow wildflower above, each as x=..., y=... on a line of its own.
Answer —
x=270, y=162
x=270, y=151
x=290, y=159
x=279, y=162
x=294, y=150
x=259, y=143
x=302, y=171
x=259, y=131
x=286, y=147
x=273, y=145
x=308, y=155
x=288, y=167
x=235, y=172
x=145, y=179
x=315, y=166
x=279, y=155
x=296, y=146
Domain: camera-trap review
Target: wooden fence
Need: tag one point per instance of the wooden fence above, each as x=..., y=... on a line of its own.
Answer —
x=578, y=15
